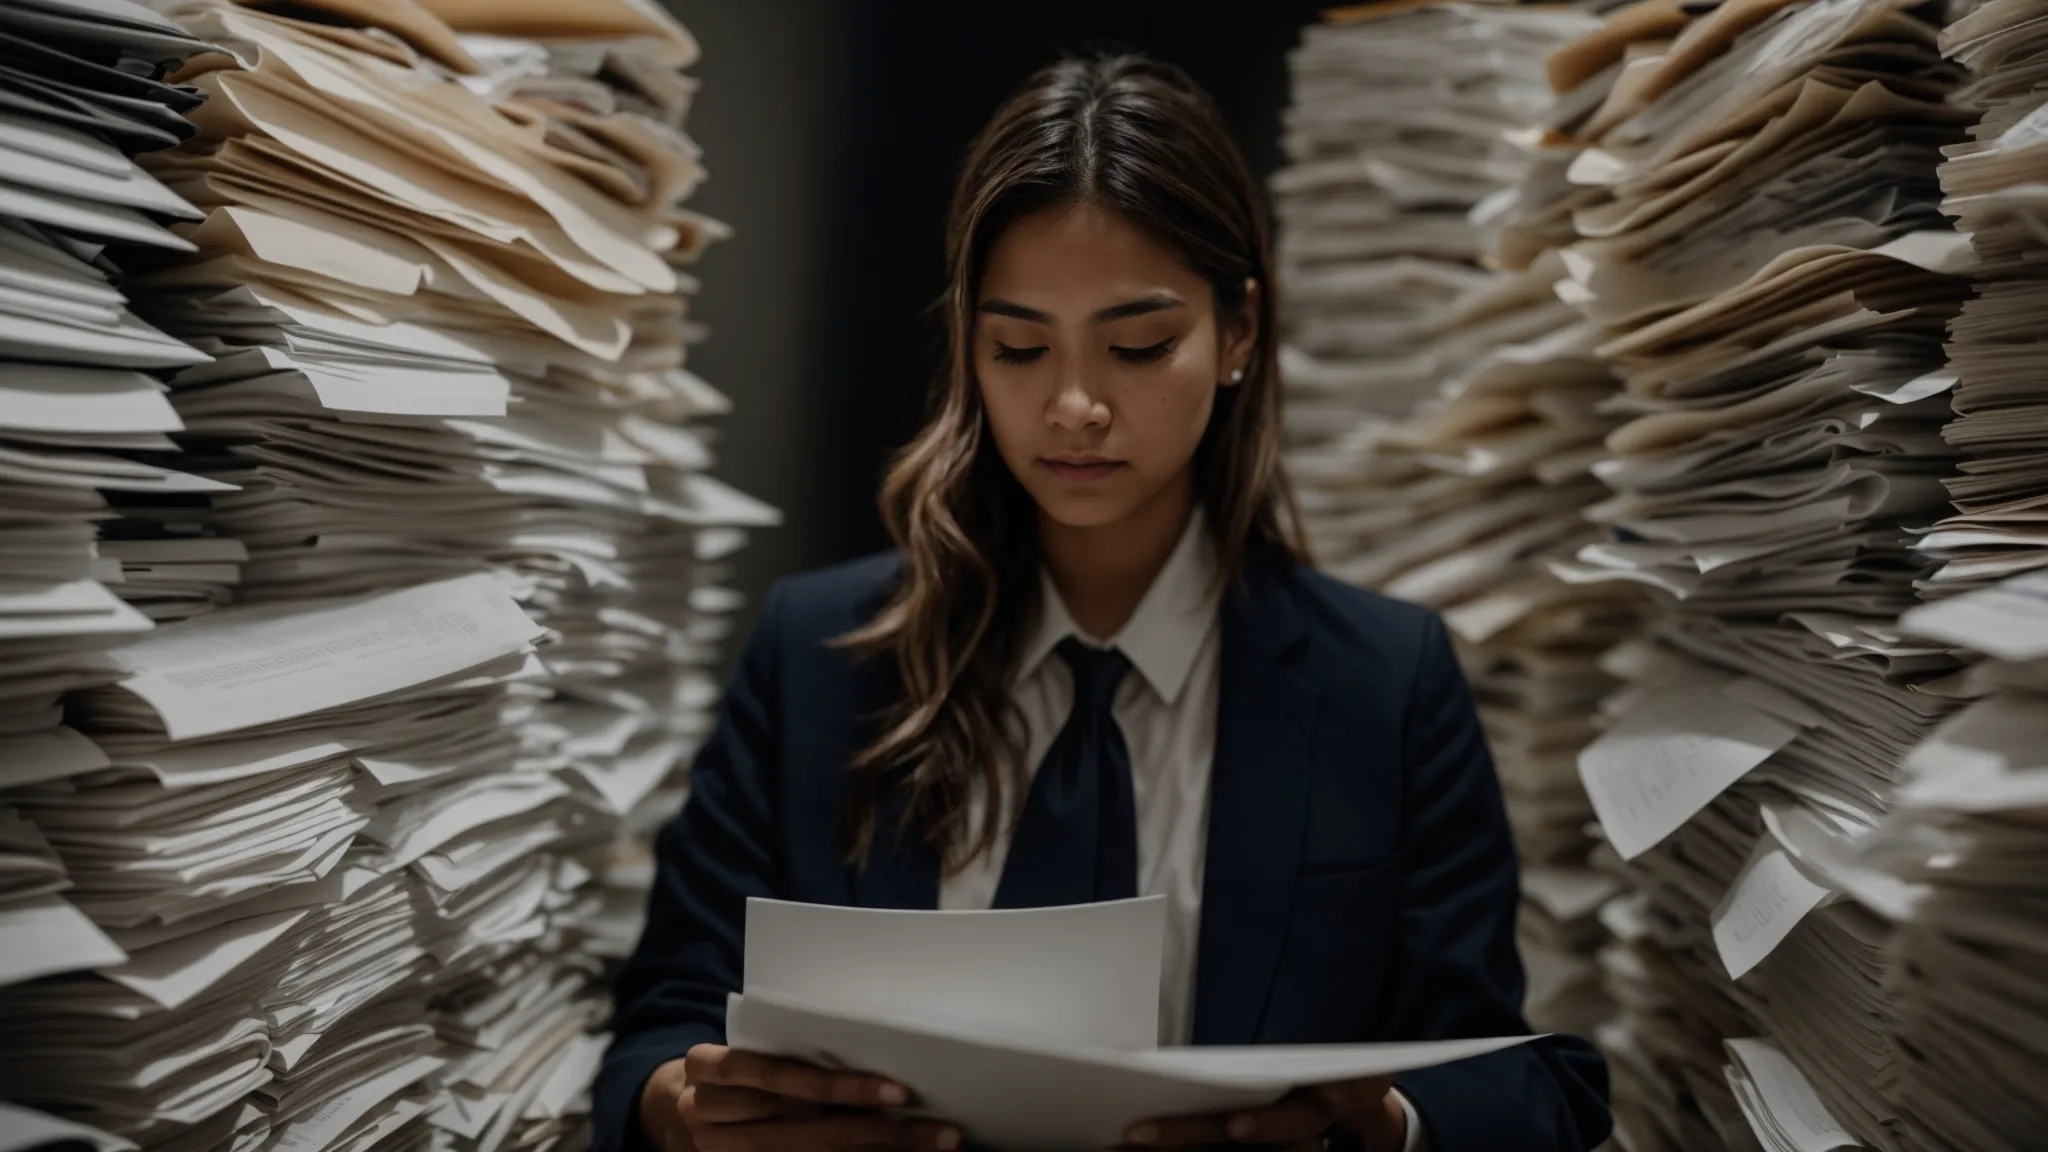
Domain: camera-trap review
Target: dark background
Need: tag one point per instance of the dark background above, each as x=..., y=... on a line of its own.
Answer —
x=832, y=130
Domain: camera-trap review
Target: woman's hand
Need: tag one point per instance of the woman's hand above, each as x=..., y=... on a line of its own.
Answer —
x=1368, y=1106
x=720, y=1099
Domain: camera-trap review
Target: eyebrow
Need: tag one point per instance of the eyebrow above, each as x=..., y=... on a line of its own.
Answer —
x=1143, y=305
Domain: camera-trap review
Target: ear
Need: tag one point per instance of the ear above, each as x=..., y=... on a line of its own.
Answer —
x=1240, y=335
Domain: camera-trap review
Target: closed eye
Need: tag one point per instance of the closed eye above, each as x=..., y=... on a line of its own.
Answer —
x=1149, y=354
x=1008, y=355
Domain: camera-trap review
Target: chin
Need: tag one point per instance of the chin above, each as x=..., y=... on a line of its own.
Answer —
x=1070, y=512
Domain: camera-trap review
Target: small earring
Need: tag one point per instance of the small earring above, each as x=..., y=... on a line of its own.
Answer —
x=1237, y=375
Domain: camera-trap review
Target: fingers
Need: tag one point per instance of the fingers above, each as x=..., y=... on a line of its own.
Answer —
x=1302, y=1116
x=1181, y=1131
x=662, y=1104
x=716, y=1064
x=729, y=1104
x=1350, y=1097
x=1297, y=1118
x=846, y=1133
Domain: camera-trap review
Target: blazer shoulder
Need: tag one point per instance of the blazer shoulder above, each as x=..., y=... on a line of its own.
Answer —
x=1362, y=622
x=813, y=607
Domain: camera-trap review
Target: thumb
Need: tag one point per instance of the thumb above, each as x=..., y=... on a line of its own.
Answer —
x=1351, y=1097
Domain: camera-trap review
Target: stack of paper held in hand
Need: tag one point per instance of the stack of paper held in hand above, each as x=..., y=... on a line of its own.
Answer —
x=1033, y=1030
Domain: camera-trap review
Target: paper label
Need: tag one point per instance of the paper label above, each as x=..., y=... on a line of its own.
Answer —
x=1767, y=901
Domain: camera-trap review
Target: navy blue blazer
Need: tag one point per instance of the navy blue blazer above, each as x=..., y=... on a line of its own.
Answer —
x=1360, y=882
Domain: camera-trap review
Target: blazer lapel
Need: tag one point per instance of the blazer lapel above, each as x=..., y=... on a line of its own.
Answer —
x=902, y=871
x=1258, y=805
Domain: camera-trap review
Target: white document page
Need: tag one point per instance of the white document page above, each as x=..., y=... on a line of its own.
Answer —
x=174, y=972
x=22, y=1129
x=1780, y=1102
x=238, y=668
x=46, y=936
x=328, y=1122
x=61, y=398
x=1767, y=901
x=39, y=757
x=1670, y=757
x=2009, y=621
x=1025, y=1096
x=1087, y=974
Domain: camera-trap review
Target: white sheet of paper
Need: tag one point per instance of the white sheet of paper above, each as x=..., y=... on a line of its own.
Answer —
x=57, y=398
x=1670, y=757
x=1789, y=1105
x=1026, y=1097
x=1991, y=755
x=322, y=1126
x=35, y=137
x=47, y=936
x=133, y=188
x=571, y=1075
x=1087, y=974
x=88, y=216
x=22, y=1129
x=175, y=971
x=73, y=608
x=238, y=668
x=1568, y=893
x=625, y=779
x=1768, y=899
x=2009, y=621
x=39, y=757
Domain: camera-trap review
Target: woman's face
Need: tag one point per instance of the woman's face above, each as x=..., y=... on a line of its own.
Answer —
x=1098, y=356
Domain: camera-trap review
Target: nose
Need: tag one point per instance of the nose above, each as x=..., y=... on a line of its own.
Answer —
x=1075, y=407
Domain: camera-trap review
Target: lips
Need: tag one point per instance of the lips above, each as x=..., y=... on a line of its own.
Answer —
x=1081, y=470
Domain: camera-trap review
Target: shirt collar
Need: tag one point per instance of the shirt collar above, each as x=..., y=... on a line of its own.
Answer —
x=1168, y=627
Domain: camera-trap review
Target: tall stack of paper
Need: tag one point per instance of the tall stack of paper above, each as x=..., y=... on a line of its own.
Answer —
x=440, y=278
x=1460, y=473
x=84, y=459
x=1995, y=191
x=275, y=977
x=83, y=441
x=1772, y=282
x=1396, y=130
x=1961, y=863
x=94, y=539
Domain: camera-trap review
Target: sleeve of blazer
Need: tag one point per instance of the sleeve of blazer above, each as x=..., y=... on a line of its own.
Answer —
x=717, y=852
x=1457, y=972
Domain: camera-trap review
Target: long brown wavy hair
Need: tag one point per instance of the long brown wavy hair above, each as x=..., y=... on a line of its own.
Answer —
x=1138, y=137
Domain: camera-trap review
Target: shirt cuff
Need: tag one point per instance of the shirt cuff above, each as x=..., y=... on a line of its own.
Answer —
x=1416, y=1140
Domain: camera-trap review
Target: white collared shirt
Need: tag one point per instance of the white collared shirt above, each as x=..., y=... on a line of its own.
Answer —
x=1166, y=708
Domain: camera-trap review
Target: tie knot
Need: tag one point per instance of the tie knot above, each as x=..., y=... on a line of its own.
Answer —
x=1097, y=672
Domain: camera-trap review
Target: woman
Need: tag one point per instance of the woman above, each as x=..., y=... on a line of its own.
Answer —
x=1099, y=666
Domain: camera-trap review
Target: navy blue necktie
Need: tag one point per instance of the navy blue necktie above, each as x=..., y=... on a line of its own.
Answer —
x=1077, y=840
